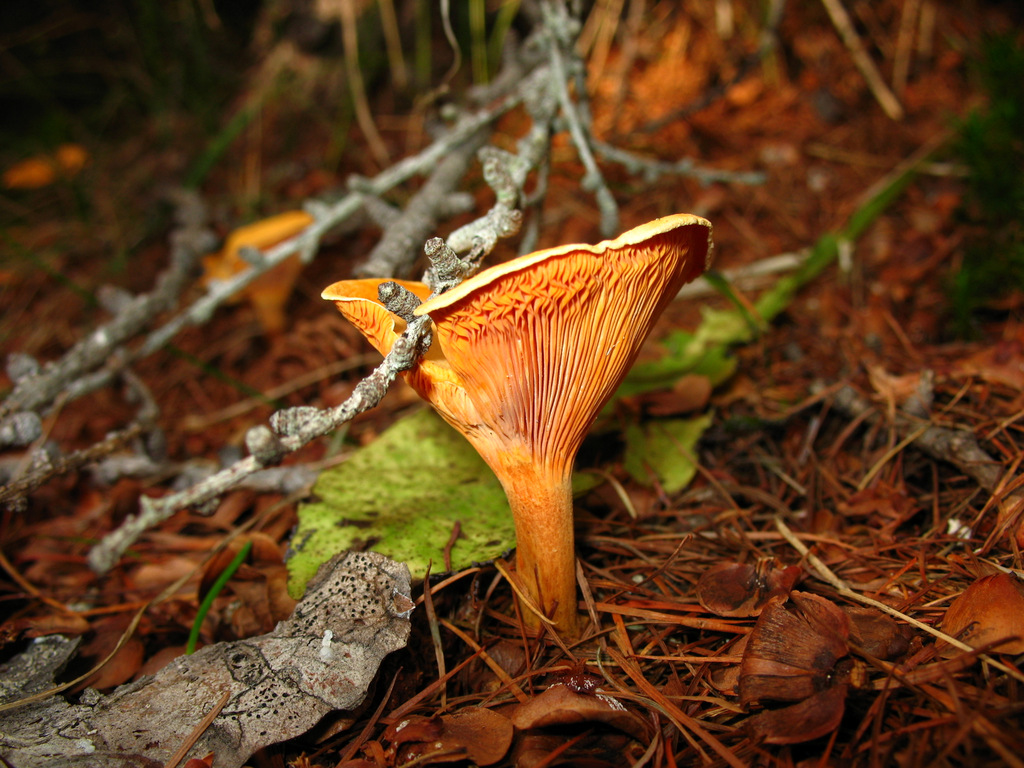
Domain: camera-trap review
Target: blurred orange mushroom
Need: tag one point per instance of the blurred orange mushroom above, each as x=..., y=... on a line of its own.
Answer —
x=526, y=354
x=42, y=170
x=268, y=294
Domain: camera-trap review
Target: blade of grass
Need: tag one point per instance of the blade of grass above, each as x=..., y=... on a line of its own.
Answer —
x=219, y=145
x=218, y=585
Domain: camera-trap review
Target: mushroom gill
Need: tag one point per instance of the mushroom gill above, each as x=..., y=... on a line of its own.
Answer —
x=526, y=354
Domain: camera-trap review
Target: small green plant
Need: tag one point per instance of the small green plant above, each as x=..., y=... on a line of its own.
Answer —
x=991, y=144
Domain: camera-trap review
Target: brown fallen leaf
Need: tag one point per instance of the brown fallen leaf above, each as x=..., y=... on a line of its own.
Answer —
x=883, y=508
x=412, y=729
x=125, y=662
x=809, y=719
x=893, y=390
x=56, y=623
x=796, y=654
x=691, y=393
x=726, y=678
x=876, y=634
x=1001, y=362
x=509, y=656
x=793, y=649
x=477, y=734
x=990, y=613
x=591, y=748
x=256, y=597
x=743, y=589
x=560, y=705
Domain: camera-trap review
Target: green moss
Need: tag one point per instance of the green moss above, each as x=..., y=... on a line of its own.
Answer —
x=991, y=145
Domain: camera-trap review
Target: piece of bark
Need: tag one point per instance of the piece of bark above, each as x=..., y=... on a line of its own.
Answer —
x=323, y=658
x=34, y=670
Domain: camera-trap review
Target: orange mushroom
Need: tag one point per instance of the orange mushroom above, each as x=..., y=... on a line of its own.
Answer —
x=526, y=354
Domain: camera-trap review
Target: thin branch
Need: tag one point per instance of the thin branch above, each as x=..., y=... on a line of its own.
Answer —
x=36, y=392
x=563, y=30
x=18, y=489
x=650, y=169
x=293, y=428
x=885, y=97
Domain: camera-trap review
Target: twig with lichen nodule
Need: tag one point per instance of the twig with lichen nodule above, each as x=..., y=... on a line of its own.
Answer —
x=293, y=428
x=269, y=449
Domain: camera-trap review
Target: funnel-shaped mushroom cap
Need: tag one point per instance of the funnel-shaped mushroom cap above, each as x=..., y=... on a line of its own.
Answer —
x=541, y=342
x=525, y=355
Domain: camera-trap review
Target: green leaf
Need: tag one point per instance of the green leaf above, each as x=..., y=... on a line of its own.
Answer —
x=664, y=450
x=684, y=353
x=403, y=495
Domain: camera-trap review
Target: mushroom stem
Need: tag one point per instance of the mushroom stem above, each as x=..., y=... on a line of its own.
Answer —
x=541, y=504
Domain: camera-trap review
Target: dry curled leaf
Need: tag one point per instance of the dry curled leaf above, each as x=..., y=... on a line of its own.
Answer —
x=990, y=613
x=560, y=705
x=883, y=508
x=803, y=721
x=412, y=729
x=691, y=393
x=508, y=655
x=796, y=654
x=874, y=633
x=726, y=678
x=793, y=649
x=743, y=589
x=477, y=734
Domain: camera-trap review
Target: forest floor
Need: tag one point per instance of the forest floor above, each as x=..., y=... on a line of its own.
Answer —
x=818, y=473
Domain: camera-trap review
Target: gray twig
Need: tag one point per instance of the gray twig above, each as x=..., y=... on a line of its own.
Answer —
x=298, y=432
x=563, y=29
x=404, y=236
x=651, y=169
x=14, y=491
x=37, y=391
x=293, y=428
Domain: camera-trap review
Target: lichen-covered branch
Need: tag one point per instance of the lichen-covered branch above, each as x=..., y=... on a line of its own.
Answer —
x=565, y=63
x=404, y=236
x=38, y=389
x=293, y=428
